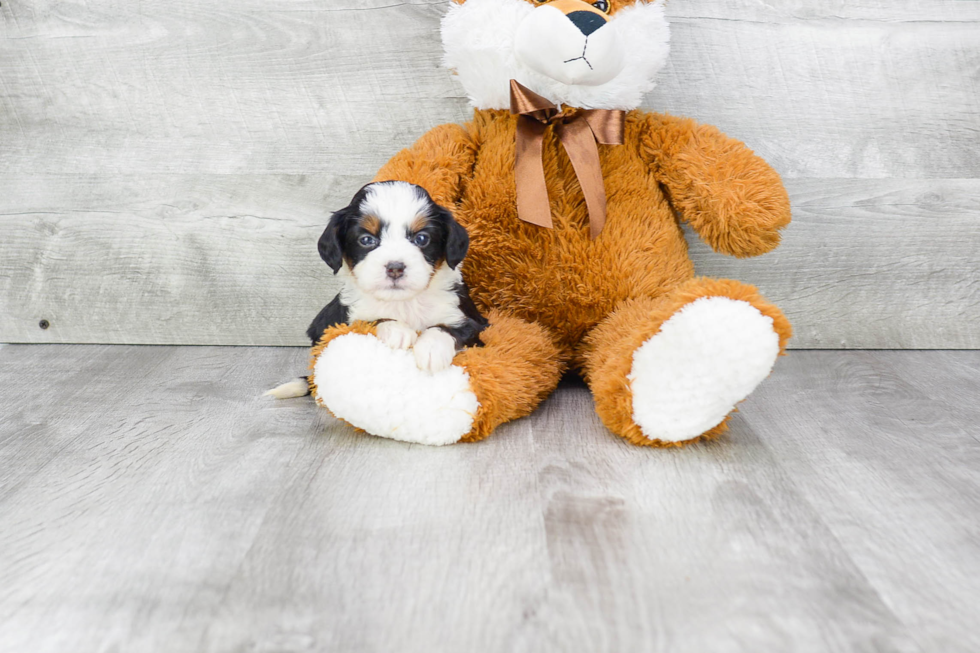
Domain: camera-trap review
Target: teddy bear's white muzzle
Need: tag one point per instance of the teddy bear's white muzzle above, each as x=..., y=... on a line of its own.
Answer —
x=552, y=44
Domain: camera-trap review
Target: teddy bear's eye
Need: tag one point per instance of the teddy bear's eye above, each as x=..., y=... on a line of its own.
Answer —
x=601, y=5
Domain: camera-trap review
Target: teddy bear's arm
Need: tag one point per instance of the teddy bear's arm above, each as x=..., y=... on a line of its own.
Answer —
x=440, y=162
x=731, y=197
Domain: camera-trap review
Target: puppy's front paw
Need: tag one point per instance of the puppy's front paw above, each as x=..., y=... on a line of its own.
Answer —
x=434, y=350
x=397, y=335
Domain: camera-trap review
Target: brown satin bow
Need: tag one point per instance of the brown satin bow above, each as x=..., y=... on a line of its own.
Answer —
x=578, y=132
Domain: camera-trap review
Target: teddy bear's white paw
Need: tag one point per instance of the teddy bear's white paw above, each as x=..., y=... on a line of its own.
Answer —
x=434, y=350
x=382, y=391
x=706, y=358
x=397, y=335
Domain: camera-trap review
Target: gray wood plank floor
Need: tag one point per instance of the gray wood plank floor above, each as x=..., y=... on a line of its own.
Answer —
x=151, y=499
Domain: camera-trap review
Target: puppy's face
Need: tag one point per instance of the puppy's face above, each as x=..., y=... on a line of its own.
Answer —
x=392, y=238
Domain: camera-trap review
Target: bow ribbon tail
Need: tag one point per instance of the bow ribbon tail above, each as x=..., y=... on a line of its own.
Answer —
x=579, y=134
x=580, y=144
x=608, y=125
x=532, y=189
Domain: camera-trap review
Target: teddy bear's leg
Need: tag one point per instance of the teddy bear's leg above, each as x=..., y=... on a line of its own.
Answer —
x=669, y=371
x=381, y=390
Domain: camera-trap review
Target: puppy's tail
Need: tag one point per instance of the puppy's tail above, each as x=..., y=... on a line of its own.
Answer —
x=299, y=387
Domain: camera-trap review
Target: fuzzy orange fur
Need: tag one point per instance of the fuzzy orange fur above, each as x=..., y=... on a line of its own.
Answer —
x=731, y=197
x=558, y=294
x=518, y=367
x=608, y=350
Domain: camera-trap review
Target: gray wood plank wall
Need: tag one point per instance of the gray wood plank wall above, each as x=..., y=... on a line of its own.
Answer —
x=166, y=167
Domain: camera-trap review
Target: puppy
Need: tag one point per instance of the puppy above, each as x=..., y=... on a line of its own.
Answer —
x=399, y=255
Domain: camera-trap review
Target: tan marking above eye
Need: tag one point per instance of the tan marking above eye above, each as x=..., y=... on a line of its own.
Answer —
x=371, y=224
x=418, y=224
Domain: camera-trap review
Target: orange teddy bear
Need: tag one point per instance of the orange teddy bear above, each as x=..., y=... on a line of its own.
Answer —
x=572, y=198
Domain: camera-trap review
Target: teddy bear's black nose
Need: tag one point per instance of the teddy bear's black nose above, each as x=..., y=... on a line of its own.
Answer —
x=586, y=21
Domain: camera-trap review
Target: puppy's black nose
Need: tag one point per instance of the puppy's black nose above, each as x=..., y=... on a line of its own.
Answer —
x=395, y=269
x=586, y=21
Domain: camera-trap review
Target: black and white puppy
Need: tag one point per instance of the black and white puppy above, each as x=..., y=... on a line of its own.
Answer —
x=399, y=255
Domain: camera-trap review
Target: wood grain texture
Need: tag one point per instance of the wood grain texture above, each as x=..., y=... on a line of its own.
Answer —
x=868, y=89
x=872, y=264
x=882, y=446
x=212, y=259
x=195, y=259
x=876, y=90
x=212, y=87
x=167, y=166
x=151, y=497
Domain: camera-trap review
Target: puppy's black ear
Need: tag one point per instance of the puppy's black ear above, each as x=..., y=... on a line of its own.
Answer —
x=331, y=243
x=457, y=240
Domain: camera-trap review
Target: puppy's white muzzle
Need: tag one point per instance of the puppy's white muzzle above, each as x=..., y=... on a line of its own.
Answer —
x=549, y=43
x=371, y=273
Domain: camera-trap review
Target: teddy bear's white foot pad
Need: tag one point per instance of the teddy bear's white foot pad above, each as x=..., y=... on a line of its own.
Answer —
x=381, y=390
x=706, y=358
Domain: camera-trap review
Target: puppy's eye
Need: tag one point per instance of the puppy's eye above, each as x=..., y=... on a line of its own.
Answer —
x=367, y=241
x=420, y=240
x=601, y=5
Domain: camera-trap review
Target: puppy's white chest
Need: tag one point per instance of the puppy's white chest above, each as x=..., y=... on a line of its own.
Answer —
x=421, y=312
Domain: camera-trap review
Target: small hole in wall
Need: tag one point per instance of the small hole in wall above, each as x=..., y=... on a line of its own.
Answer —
x=44, y=324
